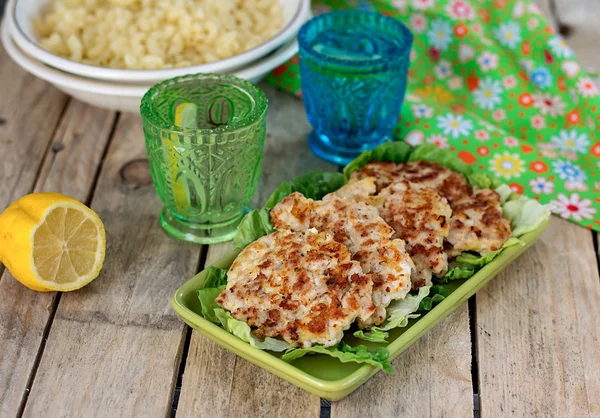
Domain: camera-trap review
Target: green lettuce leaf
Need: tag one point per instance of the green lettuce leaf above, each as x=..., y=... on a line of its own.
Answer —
x=254, y=225
x=429, y=152
x=397, y=315
x=313, y=185
x=374, y=335
x=436, y=295
x=346, y=354
x=505, y=193
x=215, y=283
x=396, y=152
x=207, y=302
x=525, y=214
x=457, y=272
x=243, y=331
x=216, y=277
x=481, y=260
x=467, y=264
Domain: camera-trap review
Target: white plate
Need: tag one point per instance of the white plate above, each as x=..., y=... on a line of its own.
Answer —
x=21, y=12
x=124, y=97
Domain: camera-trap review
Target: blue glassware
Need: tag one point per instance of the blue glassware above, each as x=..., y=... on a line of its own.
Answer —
x=353, y=68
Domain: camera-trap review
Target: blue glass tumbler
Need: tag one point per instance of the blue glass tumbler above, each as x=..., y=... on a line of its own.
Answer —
x=353, y=69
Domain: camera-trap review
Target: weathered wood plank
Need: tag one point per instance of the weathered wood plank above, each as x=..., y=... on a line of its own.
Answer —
x=431, y=379
x=29, y=112
x=216, y=383
x=538, y=339
x=114, y=346
x=579, y=18
x=71, y=168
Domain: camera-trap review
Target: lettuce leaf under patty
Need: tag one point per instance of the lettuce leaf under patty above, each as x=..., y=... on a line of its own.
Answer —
x=346, y=354
x=436, y=295
x=313, y=185
x=398, y=313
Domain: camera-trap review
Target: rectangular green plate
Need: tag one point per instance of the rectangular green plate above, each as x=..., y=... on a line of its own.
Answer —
x=322, y=375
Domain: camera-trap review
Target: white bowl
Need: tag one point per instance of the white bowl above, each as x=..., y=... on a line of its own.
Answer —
x=20, y=15
x=120, y=96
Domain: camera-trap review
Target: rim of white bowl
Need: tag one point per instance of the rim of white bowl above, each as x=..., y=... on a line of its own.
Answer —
x=227, y=65
x=52, y=75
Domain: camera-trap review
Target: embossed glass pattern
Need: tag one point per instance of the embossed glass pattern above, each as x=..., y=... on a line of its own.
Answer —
x=353, y=68
x=204, y=136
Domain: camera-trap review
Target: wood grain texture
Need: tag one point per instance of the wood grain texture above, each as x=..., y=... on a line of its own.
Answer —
x=30, y=110
x=538, y=339
x=217, y=383
x=114, y=346
x=579, y=18
x=70, y=167
x=431, y=379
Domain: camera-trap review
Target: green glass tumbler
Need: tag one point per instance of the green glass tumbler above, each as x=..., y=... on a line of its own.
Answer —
x=204, y=136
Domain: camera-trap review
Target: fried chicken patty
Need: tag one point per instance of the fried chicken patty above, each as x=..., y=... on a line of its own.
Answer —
x=477, y=224
x=421, y=217
x=359, y=227
x=447, y=183
x=418, y=215
x=301, y=286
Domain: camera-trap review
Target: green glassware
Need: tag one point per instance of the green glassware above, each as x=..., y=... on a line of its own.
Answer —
x=204, y=136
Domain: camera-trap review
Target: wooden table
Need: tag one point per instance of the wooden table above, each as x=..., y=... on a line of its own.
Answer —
x=528, y=344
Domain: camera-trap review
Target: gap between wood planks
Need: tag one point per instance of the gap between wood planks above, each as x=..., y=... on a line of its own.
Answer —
x=49, y=153
x=186, y=343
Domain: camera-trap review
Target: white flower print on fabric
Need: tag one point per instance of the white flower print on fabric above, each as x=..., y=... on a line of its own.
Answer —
x=509, y=81
x=440, y=34
x=499, y=115
x=541, y=186
x=487, y=61
x=511, y=141
x=566, y=170
x=418, y=23
x=548, y=104
x=439, y=141
x=575, y=186
x=559, y=47
x=460, y=10
x=422, y=4
x=587, y=87
x=400, y=5
x=508, y=34
x=443, y=69
x=538, y=122
x=454, y=125
x=532, y=23
x=573, y=207
x=571, y=68
x=507, y=165
x=414, y=138
x=571, y=140
x=482, y=135
x=487, y=95
x=422, y=111
x=455, y=82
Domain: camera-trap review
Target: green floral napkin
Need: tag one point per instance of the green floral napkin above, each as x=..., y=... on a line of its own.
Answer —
x=492, y=82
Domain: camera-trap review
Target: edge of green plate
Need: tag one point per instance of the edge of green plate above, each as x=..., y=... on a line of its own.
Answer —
x=338, y=389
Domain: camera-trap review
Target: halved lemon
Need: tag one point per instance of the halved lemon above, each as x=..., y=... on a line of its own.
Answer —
x=52, y=242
